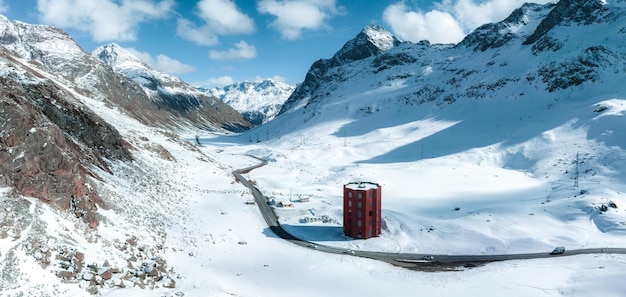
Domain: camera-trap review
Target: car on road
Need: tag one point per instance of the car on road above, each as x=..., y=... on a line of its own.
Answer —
x=558, y=250
x=313, y=246
x=428, y=258
x=349, y=252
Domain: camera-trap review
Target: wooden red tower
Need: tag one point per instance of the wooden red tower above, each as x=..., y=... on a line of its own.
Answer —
x=362, y=210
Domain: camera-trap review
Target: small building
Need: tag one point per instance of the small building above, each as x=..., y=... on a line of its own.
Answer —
x=362, y=209
x=284, y=204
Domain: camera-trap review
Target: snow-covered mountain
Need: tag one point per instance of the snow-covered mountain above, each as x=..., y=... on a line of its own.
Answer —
x=511, y=141
x=170, y=92
x=526, y=113
x=72, y=130
x=44, y=65
x=257, y=101
x=371, y=41
x=536, y=51
x=60, y=55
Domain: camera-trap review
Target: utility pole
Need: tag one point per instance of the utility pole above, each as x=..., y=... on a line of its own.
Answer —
x=576, y=173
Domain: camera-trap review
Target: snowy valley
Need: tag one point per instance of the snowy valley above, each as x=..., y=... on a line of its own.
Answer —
x=512, y=141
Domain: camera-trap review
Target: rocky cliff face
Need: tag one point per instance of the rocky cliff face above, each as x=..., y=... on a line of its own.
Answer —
x=49, y=141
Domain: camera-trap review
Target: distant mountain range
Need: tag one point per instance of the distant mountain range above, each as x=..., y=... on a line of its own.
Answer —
x=258, y=101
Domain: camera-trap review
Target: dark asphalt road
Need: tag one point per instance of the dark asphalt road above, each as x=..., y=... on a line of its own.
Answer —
x=410, y=261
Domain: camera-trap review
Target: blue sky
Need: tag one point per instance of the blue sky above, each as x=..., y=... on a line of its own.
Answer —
x=216, y=42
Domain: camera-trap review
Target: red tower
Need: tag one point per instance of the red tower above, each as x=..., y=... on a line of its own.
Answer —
x=362, y=210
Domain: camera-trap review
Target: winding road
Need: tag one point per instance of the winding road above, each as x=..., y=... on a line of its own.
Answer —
x=422, y=262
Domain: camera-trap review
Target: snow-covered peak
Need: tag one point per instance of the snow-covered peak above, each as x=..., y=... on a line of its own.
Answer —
x=259, y=101
x=44, y=43
x=519, y=24
x=128, y=64
x=371, y=41
x=168, y=91
x=117, y=57
x=568, y=12
x=380, y=37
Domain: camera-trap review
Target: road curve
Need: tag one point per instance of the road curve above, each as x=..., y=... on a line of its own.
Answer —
x=422, y=262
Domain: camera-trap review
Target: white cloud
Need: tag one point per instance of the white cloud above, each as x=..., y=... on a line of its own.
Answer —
x=3, y=7
x=450, y=21
x=293, y=16
x=162, y=63
x=202, y=35
x=221, y=81
x=105, y=20
x=435, y=26
x=472, y=14
x=279, y=78
x=221, y=17
x=242, y=50
x=224, y=17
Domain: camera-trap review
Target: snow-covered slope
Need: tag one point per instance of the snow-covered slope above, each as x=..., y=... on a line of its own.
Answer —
x=59, y=54
x=499, y=144
x=511, y=141
x=169, y=92
x=258, y=101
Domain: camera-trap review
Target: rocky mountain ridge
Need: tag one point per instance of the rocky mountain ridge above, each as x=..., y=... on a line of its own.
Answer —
x=170, y=93
x=59, y=54
x=51, y=141
x=537, y=45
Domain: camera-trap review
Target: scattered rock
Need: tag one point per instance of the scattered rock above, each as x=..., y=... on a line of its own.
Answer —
x=79, y=256
x=66, y=275
x=93, y=290
x=169, y=283
x=87, y=276
x=106, y=275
